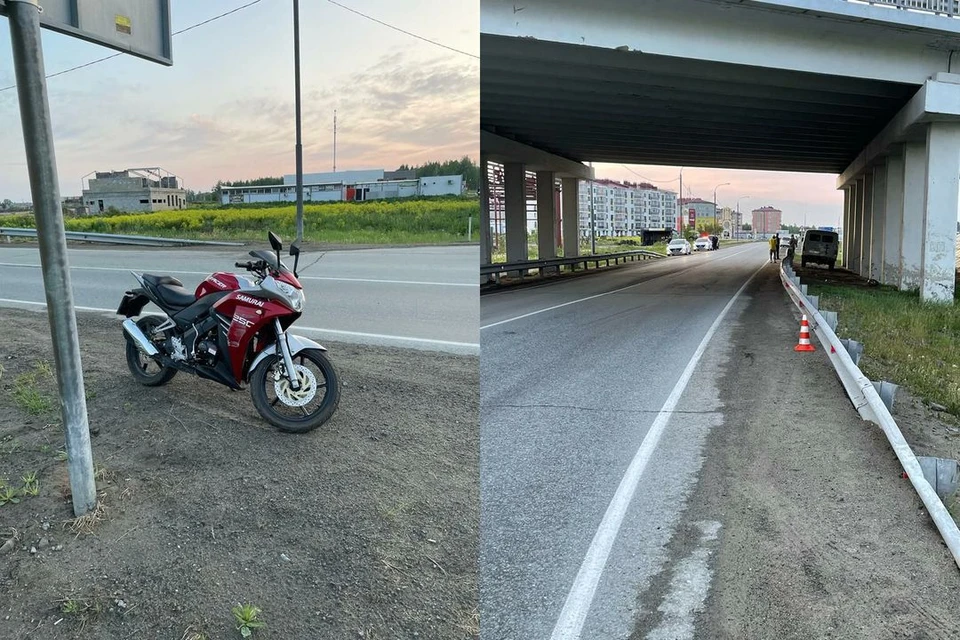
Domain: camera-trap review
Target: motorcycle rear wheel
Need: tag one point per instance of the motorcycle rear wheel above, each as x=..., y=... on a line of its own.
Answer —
x=281, y=409
x=146, y=370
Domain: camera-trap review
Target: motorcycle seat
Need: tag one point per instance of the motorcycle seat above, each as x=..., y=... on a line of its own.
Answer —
x=170, y=290
x=158, y=280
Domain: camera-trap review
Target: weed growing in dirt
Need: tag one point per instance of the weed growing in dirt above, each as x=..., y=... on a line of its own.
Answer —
x=247, y=619
x=31, y=485
x=26, y=393
x=9, y=494
x=81, y=610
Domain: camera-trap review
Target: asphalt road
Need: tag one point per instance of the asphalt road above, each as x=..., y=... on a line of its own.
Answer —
x=424, y=297
x=577, y=502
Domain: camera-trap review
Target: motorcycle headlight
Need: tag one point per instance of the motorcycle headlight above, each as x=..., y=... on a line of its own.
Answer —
x=294, y=295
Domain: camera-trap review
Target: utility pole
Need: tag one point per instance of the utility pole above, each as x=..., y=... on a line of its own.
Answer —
x=24, y=16
x=296, y=72
x=334, y=140
x=593, y=219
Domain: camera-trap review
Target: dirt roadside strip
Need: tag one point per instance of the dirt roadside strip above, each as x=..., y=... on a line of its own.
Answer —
x=821, y=537
x=365, y=528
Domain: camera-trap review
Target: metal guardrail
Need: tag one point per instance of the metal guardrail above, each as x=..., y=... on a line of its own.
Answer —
x=942, y=7
x=871, y=407
x=109, y=238
x=497, y=270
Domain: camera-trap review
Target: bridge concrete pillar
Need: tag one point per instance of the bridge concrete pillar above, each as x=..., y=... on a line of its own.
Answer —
x=546, y=215
x=940, y=212
x=914, y=192
x=570, y=210
x=878, y=219
x=849, y=204
x=866, y=224
x=486, y=239
x=856, y=236
x=515, y=205
x=893, y=224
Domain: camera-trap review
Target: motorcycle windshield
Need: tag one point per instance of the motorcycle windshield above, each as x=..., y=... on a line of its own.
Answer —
x=271, y=259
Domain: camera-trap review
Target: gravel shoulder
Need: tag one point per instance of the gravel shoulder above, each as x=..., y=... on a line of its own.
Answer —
x=365, y=528
x=821, y=537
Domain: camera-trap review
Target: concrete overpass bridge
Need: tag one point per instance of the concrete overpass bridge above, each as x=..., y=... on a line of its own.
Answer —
x=870, y=92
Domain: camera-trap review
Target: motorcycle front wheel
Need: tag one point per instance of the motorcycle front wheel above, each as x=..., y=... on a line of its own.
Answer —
x=296, y=410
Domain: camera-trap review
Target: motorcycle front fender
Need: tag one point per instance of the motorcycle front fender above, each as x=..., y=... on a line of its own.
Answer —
x=296, y=344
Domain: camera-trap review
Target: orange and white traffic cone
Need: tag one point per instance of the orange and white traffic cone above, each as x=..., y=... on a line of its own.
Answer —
x=804, y=337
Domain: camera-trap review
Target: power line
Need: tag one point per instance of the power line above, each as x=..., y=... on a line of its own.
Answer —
x=646, y=178
x=395, y=28
x=114, y=55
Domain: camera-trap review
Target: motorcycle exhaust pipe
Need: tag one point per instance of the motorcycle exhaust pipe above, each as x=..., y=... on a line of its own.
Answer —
x=134, y=333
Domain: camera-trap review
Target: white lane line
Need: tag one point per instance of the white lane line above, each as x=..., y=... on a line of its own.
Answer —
x=471, y=346
x=600, y=295
x=206, y=273
x=580, y=598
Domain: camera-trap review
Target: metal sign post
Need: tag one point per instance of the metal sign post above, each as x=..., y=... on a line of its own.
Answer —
x=24, y=16
x=140, y=28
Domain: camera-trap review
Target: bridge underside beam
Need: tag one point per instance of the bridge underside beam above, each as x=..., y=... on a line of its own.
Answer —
x=604, y=105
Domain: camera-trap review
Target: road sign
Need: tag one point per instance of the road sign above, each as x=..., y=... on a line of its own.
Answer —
x=693, y=216
x=138, y=27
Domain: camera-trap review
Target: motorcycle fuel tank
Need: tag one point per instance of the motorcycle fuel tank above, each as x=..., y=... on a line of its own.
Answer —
x=222, y=281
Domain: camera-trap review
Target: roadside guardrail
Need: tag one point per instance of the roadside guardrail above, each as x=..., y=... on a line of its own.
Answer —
x=110, y=238
x=499, y=269
x=871, y=407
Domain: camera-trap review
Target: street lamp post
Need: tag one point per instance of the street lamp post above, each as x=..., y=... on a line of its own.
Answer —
x=724, y=184
x=739, y=216
x=680, y=205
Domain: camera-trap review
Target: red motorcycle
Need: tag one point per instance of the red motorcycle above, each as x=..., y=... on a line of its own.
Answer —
x=232, y=330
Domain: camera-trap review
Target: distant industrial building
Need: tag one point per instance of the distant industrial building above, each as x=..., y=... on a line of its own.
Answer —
x=766, y=220
x=351, y=186
x=144, y=189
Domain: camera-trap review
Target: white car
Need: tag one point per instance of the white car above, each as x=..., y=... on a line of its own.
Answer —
x=678, y=247
x=703, y=244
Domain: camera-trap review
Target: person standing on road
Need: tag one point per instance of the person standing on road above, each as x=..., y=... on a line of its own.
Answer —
x=774, y=241
x=791, y=248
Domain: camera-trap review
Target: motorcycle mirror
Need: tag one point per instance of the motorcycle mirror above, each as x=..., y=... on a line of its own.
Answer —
x=275, y=242
x=295, y=252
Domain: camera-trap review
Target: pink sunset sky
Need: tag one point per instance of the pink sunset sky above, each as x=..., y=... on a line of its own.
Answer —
x=813, y=195
x=225, y=109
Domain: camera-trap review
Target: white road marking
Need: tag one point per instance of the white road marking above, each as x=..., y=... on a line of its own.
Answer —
x=580, y=598
x=406, y=341
x=600, y=295
x=206, y=273
x=688, y=590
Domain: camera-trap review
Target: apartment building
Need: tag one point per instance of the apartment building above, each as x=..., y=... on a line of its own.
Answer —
x=625, y=208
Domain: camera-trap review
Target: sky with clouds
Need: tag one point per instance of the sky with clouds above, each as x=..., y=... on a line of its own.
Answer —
x=225, y=109
x=804, y=198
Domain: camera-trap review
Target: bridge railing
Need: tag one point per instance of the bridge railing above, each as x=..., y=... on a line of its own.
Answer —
x=942, y=7
x=520, y=269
